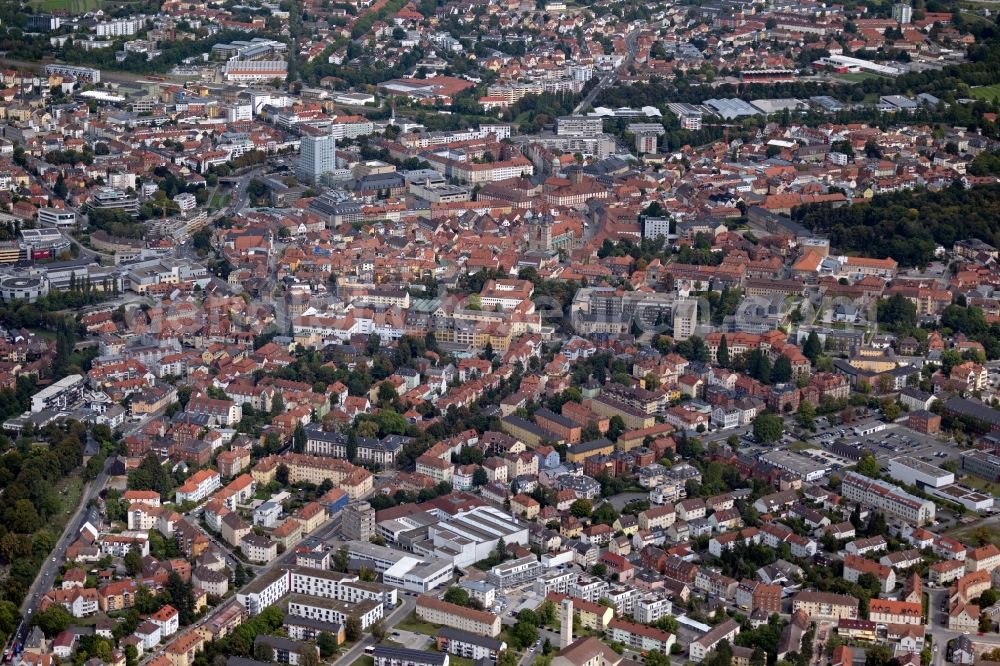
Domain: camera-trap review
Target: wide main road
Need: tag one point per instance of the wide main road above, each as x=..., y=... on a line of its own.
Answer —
x=50, y=567
x=631, y=42
x=106, y=74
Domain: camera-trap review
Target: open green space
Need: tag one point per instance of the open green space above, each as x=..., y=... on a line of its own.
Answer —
x=459, y=661
x=220, y=200
x=856, y=77
x=986, y=92
x=417, y=626
x=71, y=6
x=801, y=446
x=364, y=661
x=977, y=533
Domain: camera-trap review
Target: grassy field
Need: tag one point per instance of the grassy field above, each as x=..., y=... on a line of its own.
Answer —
x=801, y=446
x=70, y=489
x=72, y=6
x=986, y=92
x=220, y=200
x=856, y=77
x=417, y=626
x=977, y=534
x=364, y=661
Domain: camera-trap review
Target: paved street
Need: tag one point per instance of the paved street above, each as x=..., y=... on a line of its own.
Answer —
x=612, y=76
x=406, y=606
x=50, y=568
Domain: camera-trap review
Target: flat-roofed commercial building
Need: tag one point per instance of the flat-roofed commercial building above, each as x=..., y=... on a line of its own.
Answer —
x=402, y=570
x=912, y=471
x=463, y=538
x=982, y=464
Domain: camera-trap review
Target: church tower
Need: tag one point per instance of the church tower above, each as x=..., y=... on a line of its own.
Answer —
x=540, y=235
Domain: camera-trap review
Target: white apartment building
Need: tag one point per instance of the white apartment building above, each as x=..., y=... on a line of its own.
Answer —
x=120, y=27
x=264, y=591
x=343, y=587
x=554, y=581
x=650, y=608
x=185, y=201
x=333, y=611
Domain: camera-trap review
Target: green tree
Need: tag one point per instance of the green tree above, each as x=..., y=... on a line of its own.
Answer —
x=456, y=595
x=351, y=448
x=605, y=514
x=9, y=617
x=53, y=620
x=263, y=652
x=277, y=405
x=581, y=508
x=60, y=189
x=299, y=438
x=768, y=428
x=341, y=559
x=507, y=658
x=722, y=354
x=240, y=575
x=309, y=657
x=782, y=370
x=133, y=561
x=131, y=656
x=806, y=416
x=879, y=654
x=869, y=466
x=524, y=633
x=377, y=630
x=479, y=477
x=616, y=426
x=897, y=313
x=352, y=629
x=327, y=644
x=813, y=348
x=547, y=613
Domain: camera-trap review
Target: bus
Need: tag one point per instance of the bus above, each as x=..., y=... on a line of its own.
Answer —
x=370, y=649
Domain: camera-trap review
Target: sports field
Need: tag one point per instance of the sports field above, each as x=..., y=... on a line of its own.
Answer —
x=72, y=6
x=986, y=92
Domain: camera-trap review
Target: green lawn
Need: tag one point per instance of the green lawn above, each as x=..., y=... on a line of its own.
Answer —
x=857, y=77
x=988, y=93
x=364, y=661
x=70, y=491
x=801, y=446
x=417, y=626
x=72, y=6
x=219, y=200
